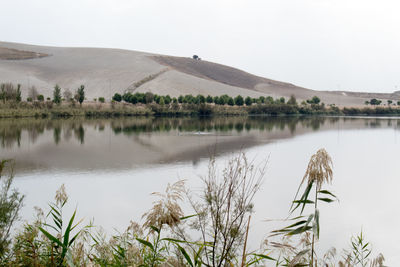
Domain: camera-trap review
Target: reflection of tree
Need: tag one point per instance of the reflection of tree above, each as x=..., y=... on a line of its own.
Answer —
x=56, y=134
x=67, y=133
x=79, y=133
x=12, y=130
x=10, y=136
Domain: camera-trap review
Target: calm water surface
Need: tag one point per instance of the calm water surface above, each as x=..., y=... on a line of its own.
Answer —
x=110, y=167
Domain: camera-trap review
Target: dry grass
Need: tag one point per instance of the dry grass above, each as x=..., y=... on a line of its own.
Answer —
x=319, y=169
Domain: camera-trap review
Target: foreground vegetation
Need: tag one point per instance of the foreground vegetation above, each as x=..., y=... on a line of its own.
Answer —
x=67, y=104
x=213, y=234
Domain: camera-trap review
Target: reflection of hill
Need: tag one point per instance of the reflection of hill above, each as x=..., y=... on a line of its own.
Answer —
x=123, y=143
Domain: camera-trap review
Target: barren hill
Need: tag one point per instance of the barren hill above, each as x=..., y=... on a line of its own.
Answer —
x=106, y=71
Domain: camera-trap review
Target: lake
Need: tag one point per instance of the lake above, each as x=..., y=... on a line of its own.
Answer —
x=111, y=166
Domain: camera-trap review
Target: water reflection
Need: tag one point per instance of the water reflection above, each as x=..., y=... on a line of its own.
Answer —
x=11, y=130
x=130, y=142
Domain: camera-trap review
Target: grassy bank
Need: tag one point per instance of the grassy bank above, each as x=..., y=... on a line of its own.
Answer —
x=50, y=110
x=115, y=109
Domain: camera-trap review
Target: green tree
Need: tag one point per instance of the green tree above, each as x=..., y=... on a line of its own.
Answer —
x=149, y=98
x=3, y=92
x=239, y=100
x=231, y=102
x=18, y=97
x=57, y=94
x=80, y=94
x=209, y=99
x=117, y=97
x=375, y=102
x=269, y=100
x=314, y=100
x=40, y=98
x=133, y=99
x=389, y=102
x=248, y=101
x=101, y=99
x=200, y=99
x=167, y=100
x=216, y=100
x=292, y=100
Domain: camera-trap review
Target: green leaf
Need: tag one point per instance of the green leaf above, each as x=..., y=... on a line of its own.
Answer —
x=306, y=201
x=317, y=223
x=185, y=254
x=68, y=230
x=155, y=228
x=264, y=257
x=187, y=217
x=300, y=230
x=66, y=235
x=51, y=237
x=326, y=192
x=146, y=243
x=295, y=224
x=328, y=200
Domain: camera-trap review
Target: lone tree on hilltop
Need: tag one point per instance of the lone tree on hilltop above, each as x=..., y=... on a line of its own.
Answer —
x=196, y=57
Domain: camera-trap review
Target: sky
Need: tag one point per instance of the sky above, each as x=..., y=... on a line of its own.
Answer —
x=318, y=44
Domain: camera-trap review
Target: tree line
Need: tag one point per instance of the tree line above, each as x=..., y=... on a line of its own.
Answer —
x=10, y=92
x=148, y=98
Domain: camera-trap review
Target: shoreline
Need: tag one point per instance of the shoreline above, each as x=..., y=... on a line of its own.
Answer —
x=114, y=110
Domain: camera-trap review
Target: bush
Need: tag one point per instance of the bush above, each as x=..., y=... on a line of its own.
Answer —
x=117, y=97
x=101, y=99
x=10, y=204
x=314, y=100
x=40, y=98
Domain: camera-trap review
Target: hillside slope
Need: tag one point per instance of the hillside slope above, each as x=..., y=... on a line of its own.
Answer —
x=106, y=71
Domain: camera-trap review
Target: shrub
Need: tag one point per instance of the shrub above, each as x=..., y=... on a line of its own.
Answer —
x=314, y=100
x=117, y=97
x=10, y=204
x=101, y=99
x=40, y=98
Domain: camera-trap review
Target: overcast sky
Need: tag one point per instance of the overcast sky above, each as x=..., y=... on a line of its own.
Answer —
x=318, y=44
